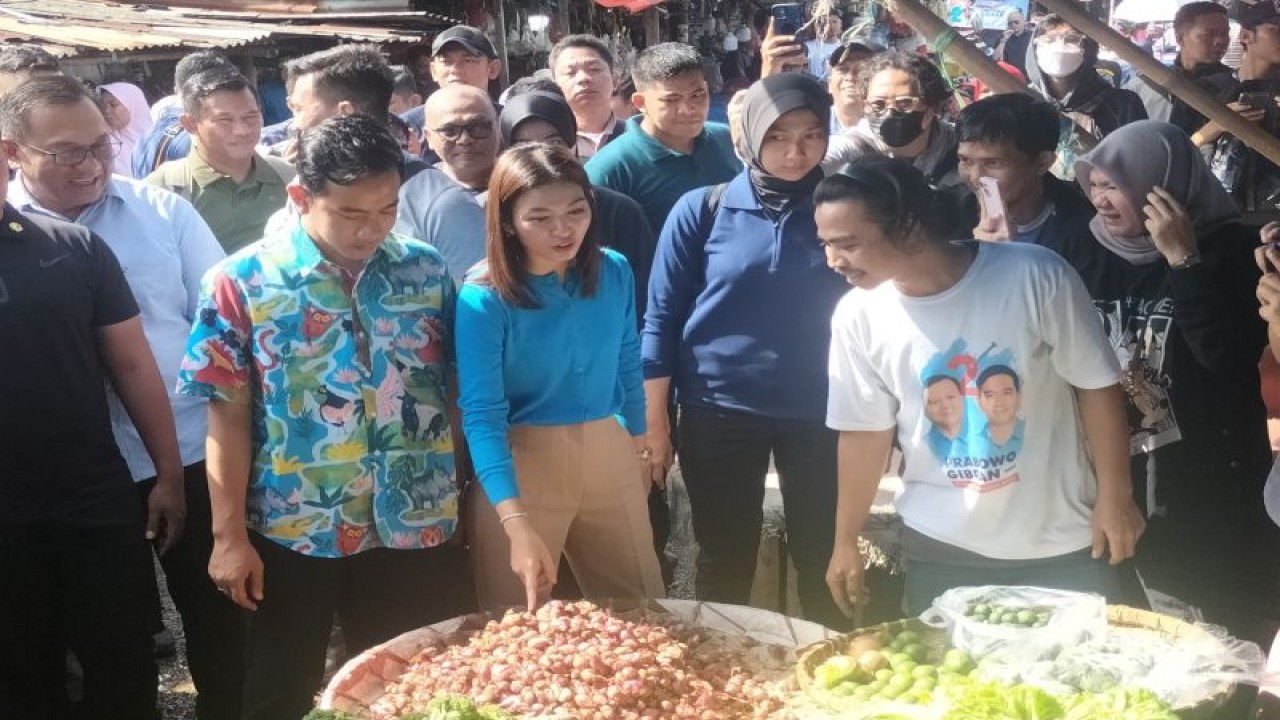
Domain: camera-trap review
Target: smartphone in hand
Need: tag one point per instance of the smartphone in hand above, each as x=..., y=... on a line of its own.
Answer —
x=788, y=18
x=994, y=216
x=1255, y=100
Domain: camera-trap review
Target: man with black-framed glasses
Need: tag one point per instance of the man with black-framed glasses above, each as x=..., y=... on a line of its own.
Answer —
x=439, y=204
x=56, y=137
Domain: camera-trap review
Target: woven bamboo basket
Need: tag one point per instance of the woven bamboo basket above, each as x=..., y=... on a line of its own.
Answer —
x=935, y=642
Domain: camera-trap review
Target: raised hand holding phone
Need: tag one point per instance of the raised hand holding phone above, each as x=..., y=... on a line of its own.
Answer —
x=779, y=49
x=993, y=221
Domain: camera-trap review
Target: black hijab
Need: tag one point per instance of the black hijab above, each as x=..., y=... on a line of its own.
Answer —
x=766, y=101
x=541, y=106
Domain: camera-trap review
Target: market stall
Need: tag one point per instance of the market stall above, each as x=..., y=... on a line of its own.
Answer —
x=1011, y=653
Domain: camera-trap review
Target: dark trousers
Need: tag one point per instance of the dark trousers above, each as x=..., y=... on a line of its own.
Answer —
x=91, y=590
x=724, y=457
x=377, y=595
x=210, y=621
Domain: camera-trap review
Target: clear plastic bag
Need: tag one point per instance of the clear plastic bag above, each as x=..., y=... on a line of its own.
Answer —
x=1046, y=621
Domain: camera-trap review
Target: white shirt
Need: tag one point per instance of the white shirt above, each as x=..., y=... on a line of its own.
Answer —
x=164, y=248
x=819, y=52
x=1017, y=486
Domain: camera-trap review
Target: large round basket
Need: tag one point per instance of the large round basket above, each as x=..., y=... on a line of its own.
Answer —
x=364, y=678
x=935, y=641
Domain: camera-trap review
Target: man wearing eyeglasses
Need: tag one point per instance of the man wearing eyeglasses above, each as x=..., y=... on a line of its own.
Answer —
x=63, y=149
x=439, y=204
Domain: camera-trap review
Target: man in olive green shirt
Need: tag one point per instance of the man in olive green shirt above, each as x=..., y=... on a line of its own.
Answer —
x=233, y=188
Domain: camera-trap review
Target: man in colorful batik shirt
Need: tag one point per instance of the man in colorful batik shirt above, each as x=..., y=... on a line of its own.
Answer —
x=324, y=352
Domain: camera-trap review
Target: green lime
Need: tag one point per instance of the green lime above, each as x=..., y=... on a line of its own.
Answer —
x=884, y=674
x=845, y=689
x=890, y=692
x=863, y=693
x=924, y=683
x=917, y=651
x=924, y=671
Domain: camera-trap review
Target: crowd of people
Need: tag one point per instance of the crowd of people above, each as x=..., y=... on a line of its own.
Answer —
x=401, y=357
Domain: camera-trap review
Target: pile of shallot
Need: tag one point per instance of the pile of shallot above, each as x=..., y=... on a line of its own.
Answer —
x=579, y=661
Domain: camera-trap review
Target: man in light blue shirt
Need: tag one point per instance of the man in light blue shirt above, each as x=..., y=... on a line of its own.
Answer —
x=164, y=248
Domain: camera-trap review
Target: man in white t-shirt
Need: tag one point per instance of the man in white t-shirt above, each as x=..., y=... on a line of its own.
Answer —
x=1012, y=497
x=821, y=47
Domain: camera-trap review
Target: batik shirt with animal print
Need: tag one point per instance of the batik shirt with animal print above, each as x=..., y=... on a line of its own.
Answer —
x=346, y=376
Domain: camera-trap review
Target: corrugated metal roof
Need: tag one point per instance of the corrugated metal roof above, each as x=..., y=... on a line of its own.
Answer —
x=72, y=27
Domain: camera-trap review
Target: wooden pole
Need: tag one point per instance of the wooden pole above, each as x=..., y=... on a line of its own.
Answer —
x=1182, y=87
x=946, y=41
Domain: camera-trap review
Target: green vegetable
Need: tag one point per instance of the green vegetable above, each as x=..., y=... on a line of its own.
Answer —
x=1119, y=704
x=973, y=700
x=319, y=714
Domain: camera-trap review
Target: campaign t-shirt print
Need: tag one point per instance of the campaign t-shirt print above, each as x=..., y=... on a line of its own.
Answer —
x=973, y=414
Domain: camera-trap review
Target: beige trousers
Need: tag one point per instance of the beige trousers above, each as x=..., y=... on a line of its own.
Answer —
x=586, y=494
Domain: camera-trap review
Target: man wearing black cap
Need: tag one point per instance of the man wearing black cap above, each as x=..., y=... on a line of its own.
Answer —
x=463, y=54
x=842, y=83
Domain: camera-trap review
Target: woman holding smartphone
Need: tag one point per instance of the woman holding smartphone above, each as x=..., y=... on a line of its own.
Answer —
x=551, y=393
x=1173, y=278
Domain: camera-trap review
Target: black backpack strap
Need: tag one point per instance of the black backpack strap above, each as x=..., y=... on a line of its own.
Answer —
x=949, y=162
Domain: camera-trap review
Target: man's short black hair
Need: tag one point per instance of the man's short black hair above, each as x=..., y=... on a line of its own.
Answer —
x=1187, y=15
x=357, y=74
x=344, y=150
x=935, y=379
x=1031, y=124
x=590, y=42
x=625, y=87
x=663, y=62
x=198, y=62
x=995, y=370
x=534, y=83
x=27, y=58
x=403, y=81
x=38, y=92
x=926, y=79
x=202, y=85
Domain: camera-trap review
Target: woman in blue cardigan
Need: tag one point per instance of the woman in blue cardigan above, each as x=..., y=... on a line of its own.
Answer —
x=740, y=303
x=551, y=393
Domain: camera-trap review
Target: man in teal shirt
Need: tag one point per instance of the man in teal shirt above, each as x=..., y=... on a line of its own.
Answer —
x=669, y=148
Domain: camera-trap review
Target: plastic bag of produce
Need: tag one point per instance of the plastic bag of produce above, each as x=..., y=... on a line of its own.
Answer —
x=1183, y=670
x=1014, y=626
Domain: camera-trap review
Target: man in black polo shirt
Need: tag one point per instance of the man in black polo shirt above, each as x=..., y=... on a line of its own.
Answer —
x=73, y=542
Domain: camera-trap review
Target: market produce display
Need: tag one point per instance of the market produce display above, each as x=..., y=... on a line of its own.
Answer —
x=1136, y=666
x=577, y=660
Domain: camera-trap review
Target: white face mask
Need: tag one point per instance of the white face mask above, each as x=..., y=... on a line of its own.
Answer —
x=1058, y=60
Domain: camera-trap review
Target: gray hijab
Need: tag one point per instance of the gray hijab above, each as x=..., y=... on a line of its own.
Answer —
x=1142, y=155
x=767, y=100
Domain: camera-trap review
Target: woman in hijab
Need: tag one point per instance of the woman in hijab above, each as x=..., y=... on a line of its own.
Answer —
x=129, y=115
x=1173, y=277
x=740, y=302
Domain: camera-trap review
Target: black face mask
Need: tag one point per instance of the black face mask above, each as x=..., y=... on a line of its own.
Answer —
x=898, y=129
